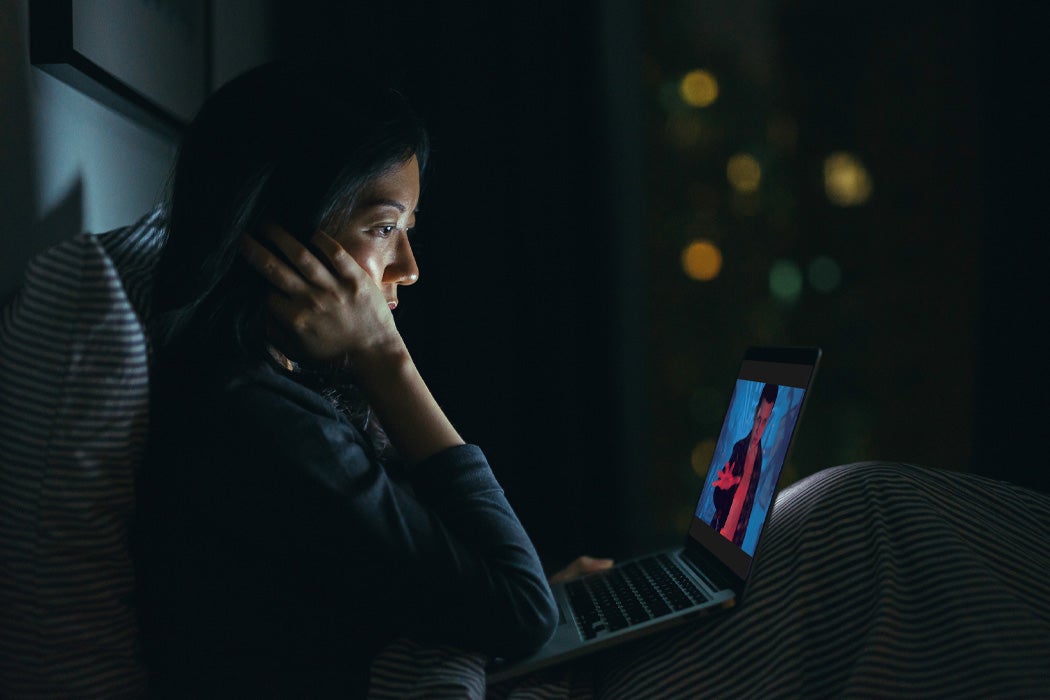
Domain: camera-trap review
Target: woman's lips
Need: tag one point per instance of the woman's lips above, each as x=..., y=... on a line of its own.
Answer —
x=392, y=305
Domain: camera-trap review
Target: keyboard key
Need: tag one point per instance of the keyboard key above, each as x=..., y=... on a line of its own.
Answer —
x=629, y=595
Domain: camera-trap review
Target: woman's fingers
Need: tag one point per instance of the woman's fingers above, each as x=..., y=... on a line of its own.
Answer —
x=341, y=261
x=272, y=268
x=580, y=567
x=304, y=261
x=308, y=269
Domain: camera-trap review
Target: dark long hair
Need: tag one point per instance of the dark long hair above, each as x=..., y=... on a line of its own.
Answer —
x=293, y=144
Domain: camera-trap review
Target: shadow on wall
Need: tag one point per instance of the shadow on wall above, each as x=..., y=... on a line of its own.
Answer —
x=59, y=223
x=22, y=234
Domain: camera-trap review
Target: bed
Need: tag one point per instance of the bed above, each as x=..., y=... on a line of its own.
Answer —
x=874, y=579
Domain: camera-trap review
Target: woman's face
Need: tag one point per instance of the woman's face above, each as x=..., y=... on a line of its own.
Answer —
x=376, y=232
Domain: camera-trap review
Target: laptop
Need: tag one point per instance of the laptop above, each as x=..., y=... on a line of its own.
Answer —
x=710, y=571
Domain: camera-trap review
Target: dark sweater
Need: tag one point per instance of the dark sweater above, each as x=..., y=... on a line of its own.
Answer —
x=276, y=554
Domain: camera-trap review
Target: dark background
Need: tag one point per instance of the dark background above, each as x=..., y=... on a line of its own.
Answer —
x=552, y=319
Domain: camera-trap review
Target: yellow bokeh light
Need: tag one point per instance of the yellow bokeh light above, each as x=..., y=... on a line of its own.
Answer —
x=744, y=173
x=698, y=88
x=846, y=180
x=701, y=457
x=702, y=260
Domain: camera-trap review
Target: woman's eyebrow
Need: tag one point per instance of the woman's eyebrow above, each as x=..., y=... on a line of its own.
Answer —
x=383, y=202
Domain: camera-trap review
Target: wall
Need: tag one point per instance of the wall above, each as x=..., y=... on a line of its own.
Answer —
x=68, y=164
x=243, y=32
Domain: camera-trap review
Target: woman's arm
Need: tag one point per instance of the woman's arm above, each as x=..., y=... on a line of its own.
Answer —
x=448, y=558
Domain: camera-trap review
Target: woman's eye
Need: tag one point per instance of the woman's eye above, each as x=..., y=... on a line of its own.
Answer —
x=385, y=231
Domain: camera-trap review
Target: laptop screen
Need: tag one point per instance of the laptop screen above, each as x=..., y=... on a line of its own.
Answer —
x=749, y=456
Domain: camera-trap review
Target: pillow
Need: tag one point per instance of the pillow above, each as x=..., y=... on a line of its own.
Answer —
x=73, y=417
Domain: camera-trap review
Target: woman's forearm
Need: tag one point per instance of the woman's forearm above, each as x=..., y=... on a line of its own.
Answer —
x=408, y=412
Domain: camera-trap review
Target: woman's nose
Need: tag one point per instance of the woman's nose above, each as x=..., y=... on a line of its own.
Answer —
x=403, y=269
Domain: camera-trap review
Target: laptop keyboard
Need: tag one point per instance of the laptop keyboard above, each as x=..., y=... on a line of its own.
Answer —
x=629, y=595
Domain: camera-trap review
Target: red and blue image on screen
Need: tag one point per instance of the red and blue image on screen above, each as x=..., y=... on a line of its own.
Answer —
x=748, y=459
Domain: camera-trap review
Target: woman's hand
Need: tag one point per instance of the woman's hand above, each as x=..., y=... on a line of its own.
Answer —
x=337, y=312
x=580, y=567
x=330, y=311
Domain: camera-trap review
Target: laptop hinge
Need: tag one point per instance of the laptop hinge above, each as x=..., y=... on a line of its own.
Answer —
x=708, y=568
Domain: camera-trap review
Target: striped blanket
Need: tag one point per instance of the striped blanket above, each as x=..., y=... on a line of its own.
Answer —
x=874, y=579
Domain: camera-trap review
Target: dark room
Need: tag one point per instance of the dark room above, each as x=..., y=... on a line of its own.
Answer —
x=394, y=349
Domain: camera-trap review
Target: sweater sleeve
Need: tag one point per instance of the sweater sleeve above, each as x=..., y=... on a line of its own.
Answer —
x=447, y=559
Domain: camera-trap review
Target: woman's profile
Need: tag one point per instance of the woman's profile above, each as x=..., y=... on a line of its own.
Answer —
x=304, y=498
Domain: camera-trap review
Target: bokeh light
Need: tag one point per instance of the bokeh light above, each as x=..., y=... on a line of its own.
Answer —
x=702, y=260
x=744, y=173
x=698, y=88
x=701, y=457
x=846, y=180
x=785, y=281
x=824, y=274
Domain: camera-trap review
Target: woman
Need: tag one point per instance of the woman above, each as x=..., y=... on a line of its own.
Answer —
x=285, y=536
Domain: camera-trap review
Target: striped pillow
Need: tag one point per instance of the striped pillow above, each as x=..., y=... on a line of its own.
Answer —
x=73, y=418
